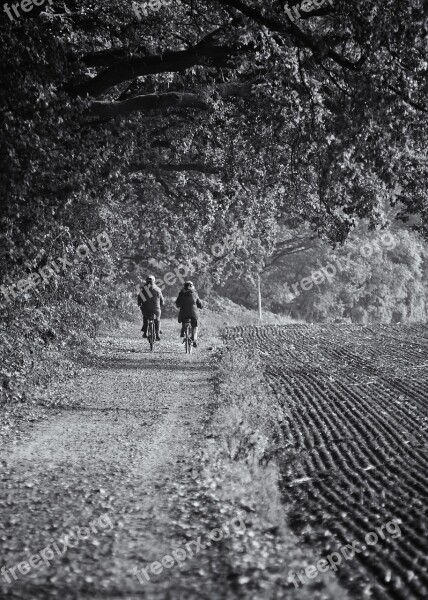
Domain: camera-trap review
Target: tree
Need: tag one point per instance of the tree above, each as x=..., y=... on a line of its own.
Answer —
x=207, y=113
x=373, y=277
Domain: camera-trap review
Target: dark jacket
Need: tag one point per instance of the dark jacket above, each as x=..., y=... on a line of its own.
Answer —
x=188, y=302
x=150, y=299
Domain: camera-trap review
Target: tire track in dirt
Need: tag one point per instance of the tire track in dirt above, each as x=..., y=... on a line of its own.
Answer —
x=357, y=417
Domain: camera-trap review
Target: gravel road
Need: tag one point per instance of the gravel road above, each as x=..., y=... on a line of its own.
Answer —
x=108, y=461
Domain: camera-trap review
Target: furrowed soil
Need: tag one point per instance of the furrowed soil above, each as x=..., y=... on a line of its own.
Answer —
x=356, y=405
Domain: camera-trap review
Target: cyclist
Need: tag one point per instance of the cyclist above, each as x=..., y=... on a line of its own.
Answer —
x=188, y=302
x=150, y=300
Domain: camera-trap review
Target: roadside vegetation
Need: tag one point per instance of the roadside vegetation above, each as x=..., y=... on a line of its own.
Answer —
x=239, y=467
x=47, y=342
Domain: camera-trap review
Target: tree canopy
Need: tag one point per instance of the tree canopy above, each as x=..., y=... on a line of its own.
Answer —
x=170, y=128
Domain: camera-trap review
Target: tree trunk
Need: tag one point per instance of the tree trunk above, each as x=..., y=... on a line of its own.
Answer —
x=259, y=297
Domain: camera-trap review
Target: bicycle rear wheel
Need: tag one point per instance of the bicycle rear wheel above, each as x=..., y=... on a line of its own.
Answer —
x=151, y=335
x=189, y=339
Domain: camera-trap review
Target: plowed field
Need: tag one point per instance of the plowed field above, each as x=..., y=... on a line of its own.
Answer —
x=356, y=405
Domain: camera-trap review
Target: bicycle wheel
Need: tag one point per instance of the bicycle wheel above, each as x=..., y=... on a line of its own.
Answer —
x=151, y=335
x=186, y=338
x=189, y=339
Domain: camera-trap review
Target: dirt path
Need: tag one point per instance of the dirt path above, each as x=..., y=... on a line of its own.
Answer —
x=109, y=463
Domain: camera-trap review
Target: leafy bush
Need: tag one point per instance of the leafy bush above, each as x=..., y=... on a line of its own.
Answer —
x=35, y=339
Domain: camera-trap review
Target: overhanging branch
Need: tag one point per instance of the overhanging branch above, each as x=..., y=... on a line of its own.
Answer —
x=205, y=53
x=406, y=99
x=181, y=100
x=291, y=29
x=177, y=168
x=147, y=103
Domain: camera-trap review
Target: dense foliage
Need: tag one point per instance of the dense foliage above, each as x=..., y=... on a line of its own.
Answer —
x=374, y=277
x=202, y=114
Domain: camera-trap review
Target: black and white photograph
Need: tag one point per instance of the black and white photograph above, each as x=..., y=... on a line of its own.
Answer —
x=214, y=300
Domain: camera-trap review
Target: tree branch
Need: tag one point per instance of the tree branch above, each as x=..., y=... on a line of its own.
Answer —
x=204, y=54
x=292, y=29
x=168, y=100
x=180, y=167
x=147, y=103
x=415, y=105
x=105, y=58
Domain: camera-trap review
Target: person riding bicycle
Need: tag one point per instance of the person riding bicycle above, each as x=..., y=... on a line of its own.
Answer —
x=150, y=300
x=188, y=302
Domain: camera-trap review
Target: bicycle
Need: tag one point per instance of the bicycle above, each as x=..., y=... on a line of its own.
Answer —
x=188, y=340
x=151, y=333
